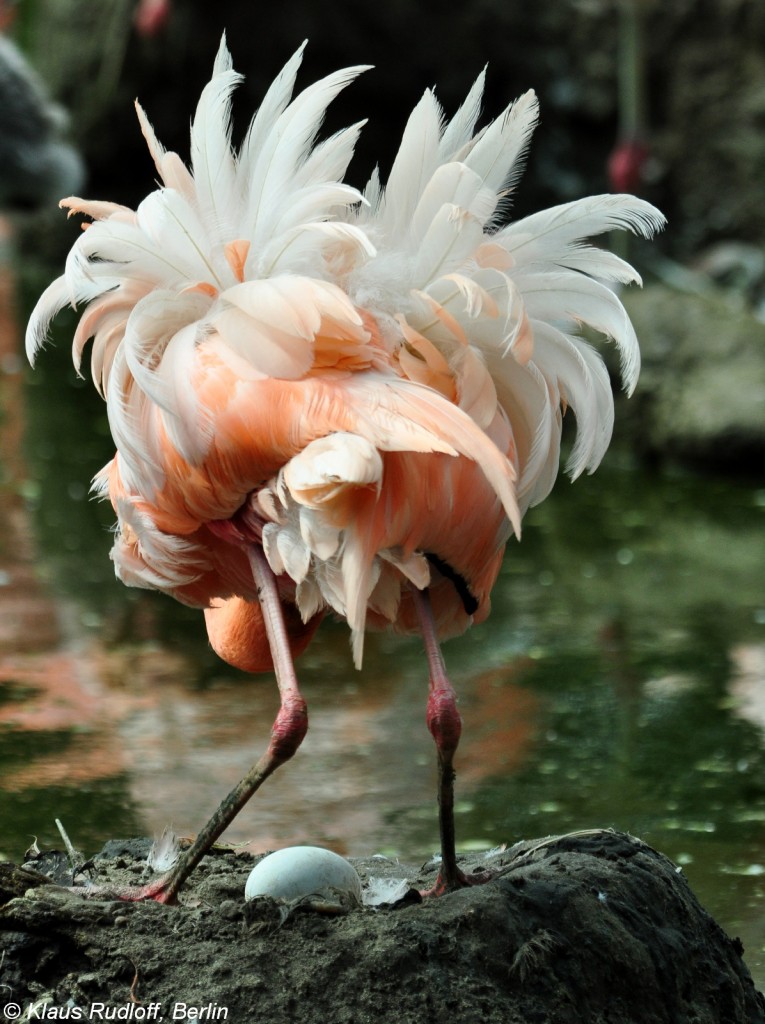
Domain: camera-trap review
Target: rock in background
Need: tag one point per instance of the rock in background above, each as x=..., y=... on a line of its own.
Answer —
x=701, y=396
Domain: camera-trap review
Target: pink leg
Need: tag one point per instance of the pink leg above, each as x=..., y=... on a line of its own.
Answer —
x=445, y=727
x=287, y=734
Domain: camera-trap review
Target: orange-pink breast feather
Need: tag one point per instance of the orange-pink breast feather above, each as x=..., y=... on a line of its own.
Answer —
x=369, y=384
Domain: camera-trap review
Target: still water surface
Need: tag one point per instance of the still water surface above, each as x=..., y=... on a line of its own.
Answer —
x=619, y=682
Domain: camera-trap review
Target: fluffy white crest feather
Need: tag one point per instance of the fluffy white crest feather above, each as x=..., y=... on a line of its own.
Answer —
x=453, y=184
x=548, y=234
x=271, y=171
x=568, y=299
x=497, y=152
x=342, y=246
x=212, y=161
x=459, y=131
x=415, y=162
x=274, y=102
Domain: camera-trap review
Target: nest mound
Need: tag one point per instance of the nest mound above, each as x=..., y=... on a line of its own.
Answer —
x=588, y=927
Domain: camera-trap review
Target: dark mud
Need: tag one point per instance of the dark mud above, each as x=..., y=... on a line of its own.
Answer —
x=592, y=927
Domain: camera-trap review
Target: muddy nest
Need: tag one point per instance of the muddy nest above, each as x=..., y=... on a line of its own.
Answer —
x=590, y=927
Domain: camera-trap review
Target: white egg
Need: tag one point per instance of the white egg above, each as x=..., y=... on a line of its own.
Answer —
x=300, y=871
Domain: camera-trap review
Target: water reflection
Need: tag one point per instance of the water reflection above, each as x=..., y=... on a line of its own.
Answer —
x=620, y=680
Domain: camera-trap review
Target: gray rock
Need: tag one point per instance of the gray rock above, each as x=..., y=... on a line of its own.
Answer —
x=702, y=389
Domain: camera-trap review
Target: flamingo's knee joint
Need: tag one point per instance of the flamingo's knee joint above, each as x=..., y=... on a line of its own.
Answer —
x=289, y=729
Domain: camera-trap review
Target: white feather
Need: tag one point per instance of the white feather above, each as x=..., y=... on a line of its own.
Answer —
x=156, y=149
x=451, y=239
x=474, y=296
x=295, y=556
x=285, y=148
x=147, y=557
x=452, y=184
x=274, y=102
x=413, y=166
x=584, y=384
x=566, y=298
x=309, y=598
x=328, y=161
x=327, y=467
x=187, y=423
x=50, y=303
x=212, y=160
x=373, y=194
x=534, y=416
x=602, y=414
x=311, y=248
x=133, y=425
x=181, y=235
x=459, y=131
x=313, y=203
x=497, y=153
x=321, y=537
x=359, y=577
x=548, y=236
x=109, y=252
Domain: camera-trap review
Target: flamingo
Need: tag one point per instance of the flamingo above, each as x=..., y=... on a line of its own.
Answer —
x=325, y=400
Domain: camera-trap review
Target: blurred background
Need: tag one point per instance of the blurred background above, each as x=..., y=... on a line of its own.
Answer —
x=620, y=680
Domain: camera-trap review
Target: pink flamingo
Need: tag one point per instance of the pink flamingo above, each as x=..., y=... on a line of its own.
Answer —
x=325, y=400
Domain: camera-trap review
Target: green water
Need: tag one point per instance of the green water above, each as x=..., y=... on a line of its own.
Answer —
x=618, y=682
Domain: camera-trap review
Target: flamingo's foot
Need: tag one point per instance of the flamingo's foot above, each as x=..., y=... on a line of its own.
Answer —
x=160, y=890
x=451, y=881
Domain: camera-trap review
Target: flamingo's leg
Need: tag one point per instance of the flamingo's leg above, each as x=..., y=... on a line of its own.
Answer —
x=287, y=733
x=445, y=726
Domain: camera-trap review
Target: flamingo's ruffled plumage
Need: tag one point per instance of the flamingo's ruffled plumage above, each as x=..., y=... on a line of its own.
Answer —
x=369, y=384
